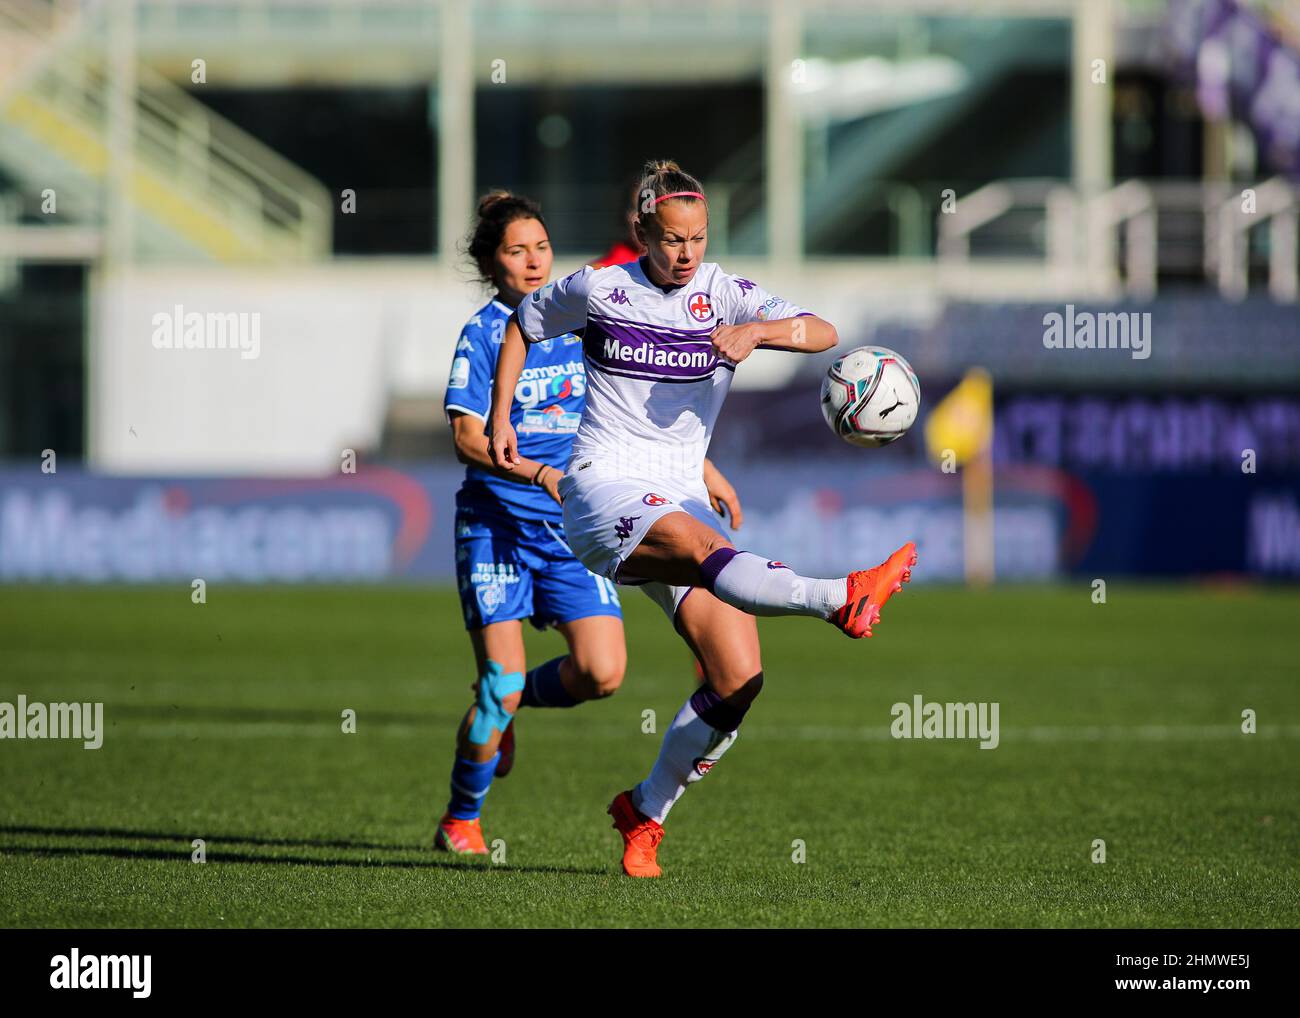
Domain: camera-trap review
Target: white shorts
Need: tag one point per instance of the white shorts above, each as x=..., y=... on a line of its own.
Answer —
x=606, y=518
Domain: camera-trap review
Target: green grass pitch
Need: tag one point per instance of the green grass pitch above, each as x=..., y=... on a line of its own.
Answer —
x=1119, y=722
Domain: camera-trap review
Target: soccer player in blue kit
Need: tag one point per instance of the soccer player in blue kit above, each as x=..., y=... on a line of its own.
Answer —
x=512, y=559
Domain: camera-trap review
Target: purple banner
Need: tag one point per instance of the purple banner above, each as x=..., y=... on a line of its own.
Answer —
x=1150, y=433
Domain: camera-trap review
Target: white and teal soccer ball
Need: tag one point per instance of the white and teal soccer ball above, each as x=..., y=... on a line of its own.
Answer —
x=870, y=396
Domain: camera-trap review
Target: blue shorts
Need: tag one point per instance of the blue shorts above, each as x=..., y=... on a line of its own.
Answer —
x=509, y=568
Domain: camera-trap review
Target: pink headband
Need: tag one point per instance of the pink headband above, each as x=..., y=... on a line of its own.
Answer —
x=679, y=194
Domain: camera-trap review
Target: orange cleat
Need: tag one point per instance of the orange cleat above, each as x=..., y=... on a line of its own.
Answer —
x=641, y=837
x=460, y=837
x=507, y=748
x=869, y=589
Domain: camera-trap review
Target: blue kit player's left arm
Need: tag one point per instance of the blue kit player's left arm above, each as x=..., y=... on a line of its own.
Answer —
x=468, y=401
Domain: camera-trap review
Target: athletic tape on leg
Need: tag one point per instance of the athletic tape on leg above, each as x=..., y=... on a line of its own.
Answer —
x=494, y=686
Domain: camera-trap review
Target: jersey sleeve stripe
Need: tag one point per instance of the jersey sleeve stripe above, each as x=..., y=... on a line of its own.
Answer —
x=448, y=408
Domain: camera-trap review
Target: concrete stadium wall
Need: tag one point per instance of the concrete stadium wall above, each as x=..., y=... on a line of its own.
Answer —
x=333, y=343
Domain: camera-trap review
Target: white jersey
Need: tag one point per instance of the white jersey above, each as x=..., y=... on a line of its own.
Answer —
x=654, y=383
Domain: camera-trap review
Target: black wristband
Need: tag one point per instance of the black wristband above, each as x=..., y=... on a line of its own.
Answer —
x=539, y=473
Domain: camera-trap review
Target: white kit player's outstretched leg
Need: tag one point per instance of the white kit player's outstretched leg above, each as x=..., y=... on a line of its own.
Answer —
x=762, y=586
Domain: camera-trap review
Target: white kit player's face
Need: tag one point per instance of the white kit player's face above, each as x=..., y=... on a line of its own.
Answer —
x=522, y=260
x=675, y=241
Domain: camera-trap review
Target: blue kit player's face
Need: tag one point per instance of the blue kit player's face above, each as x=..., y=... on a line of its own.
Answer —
x=523, y=260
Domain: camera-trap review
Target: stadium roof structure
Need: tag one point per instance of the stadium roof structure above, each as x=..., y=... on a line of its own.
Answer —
x=570, y=41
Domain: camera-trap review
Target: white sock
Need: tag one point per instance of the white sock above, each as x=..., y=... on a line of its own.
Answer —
x=689, y=751
x=760, y=586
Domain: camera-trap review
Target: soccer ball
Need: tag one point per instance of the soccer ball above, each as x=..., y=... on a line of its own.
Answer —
x=870, y=396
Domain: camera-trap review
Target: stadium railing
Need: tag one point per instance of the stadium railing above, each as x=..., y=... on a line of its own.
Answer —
x=1163, y=227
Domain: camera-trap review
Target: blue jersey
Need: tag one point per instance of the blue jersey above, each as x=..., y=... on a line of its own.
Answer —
x=545, y=411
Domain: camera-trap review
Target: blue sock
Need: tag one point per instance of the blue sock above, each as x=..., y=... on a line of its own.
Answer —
x=470, y=782
x=543, y=688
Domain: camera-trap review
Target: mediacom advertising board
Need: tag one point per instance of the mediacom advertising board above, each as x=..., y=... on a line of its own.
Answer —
x=390, y=523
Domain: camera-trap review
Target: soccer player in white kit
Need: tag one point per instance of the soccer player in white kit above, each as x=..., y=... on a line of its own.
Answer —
x=662, y=337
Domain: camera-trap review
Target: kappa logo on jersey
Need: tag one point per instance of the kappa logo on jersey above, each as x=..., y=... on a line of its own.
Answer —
x=464, y=344
x=618, y=297
x=744, y=284
x=624, y=528
x=651, y=499
x=700, y=307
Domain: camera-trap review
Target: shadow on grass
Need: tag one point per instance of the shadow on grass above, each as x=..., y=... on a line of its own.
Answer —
x=216, y=853
x=238, y=839
x=258, y=715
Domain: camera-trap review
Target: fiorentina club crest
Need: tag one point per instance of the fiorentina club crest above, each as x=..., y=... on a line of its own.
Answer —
x=700, y=307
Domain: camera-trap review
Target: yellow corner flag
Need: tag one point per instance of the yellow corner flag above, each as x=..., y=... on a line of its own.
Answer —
x=961, y=426
x=959, y=432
